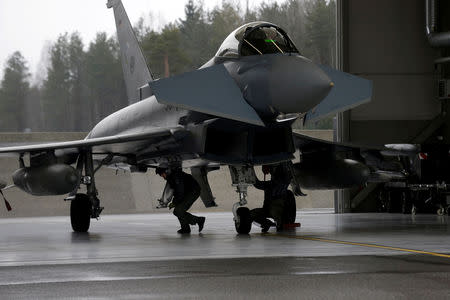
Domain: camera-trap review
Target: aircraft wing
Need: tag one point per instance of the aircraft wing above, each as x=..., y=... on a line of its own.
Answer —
x=149, y=136
x=383, y=160
x=309, y=144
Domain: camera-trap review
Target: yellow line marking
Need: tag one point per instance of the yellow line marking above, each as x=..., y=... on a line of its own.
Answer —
x=358, y=244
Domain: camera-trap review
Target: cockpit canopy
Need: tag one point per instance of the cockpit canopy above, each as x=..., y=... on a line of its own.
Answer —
x=256, y=38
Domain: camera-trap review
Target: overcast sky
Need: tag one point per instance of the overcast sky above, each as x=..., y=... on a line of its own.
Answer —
x=27, y=25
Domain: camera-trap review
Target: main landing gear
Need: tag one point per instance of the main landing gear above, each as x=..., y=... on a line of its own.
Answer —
x=242, y=177
x=80, y=213
x=83, y=207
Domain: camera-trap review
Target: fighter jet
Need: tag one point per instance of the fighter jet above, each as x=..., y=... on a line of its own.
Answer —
x=237, y=110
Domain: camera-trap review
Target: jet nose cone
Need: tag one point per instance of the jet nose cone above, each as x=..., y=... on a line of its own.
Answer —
x=275, y=84
x=297, y=84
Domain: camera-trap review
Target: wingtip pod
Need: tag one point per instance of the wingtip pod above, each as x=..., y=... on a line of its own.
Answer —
x=349, y=91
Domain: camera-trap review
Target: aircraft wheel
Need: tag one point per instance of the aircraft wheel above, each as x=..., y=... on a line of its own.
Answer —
x=290, y=209
x=80, y=213
x=244, y=224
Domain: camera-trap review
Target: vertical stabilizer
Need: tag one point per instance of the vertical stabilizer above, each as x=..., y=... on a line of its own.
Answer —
x=135, y=69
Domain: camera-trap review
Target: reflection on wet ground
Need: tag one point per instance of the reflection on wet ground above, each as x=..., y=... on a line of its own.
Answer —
x=142, y=256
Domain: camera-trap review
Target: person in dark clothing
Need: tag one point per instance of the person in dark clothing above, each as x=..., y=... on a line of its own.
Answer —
x=275, y=191
x=185, y=191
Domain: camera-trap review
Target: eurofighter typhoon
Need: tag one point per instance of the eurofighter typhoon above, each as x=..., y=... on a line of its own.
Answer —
x=236, y=111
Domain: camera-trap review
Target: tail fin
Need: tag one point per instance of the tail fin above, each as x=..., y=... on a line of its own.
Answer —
x=135, y=69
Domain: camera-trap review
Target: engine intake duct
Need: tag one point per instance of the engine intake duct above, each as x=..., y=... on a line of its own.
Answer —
x=330, y=174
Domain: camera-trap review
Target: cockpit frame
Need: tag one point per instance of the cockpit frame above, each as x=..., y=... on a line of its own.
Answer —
x=233, y=45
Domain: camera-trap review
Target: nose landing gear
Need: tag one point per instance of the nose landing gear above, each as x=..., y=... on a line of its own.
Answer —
x=242, y=177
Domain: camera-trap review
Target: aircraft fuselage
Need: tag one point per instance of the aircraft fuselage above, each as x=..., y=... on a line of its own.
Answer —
x=272, y=84
x=273, y=80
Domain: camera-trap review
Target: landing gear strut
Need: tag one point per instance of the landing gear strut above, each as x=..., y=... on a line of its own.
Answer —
x=90, y=185
x=242, y=177
x=83, y=207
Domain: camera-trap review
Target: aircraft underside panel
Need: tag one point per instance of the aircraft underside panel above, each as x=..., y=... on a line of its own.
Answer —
x=201, y=176
x=238, y=144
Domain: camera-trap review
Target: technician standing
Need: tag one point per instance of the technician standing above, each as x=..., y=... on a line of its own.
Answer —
x=185, y=191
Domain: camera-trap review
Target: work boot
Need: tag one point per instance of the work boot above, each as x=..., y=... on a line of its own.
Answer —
x=201, y=223
x=184, y=230
x=279, y=223
x=266, y=226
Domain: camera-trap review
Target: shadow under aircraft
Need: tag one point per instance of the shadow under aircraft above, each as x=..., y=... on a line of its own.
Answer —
x=237, y=110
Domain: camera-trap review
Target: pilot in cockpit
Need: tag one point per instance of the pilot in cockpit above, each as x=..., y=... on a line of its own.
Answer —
x=265, y=40
x=254, y=43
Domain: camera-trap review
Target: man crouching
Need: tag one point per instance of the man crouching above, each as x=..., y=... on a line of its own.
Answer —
x=185, y=191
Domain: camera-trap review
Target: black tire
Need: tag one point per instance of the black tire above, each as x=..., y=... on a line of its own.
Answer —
x=80, y=213
x=245, y=221
x=290, y=209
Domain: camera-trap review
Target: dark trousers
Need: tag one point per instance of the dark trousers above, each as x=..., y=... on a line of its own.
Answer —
x=274, y=210
x=180, y=210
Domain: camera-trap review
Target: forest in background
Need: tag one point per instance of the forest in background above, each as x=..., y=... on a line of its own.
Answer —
x=81, y=84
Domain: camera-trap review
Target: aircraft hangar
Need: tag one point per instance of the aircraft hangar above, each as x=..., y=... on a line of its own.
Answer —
x=403, y=47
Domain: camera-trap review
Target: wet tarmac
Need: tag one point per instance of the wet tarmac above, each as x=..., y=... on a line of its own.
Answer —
x=350, y=256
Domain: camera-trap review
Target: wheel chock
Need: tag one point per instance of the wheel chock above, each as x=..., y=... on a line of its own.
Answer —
x=291, y=225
